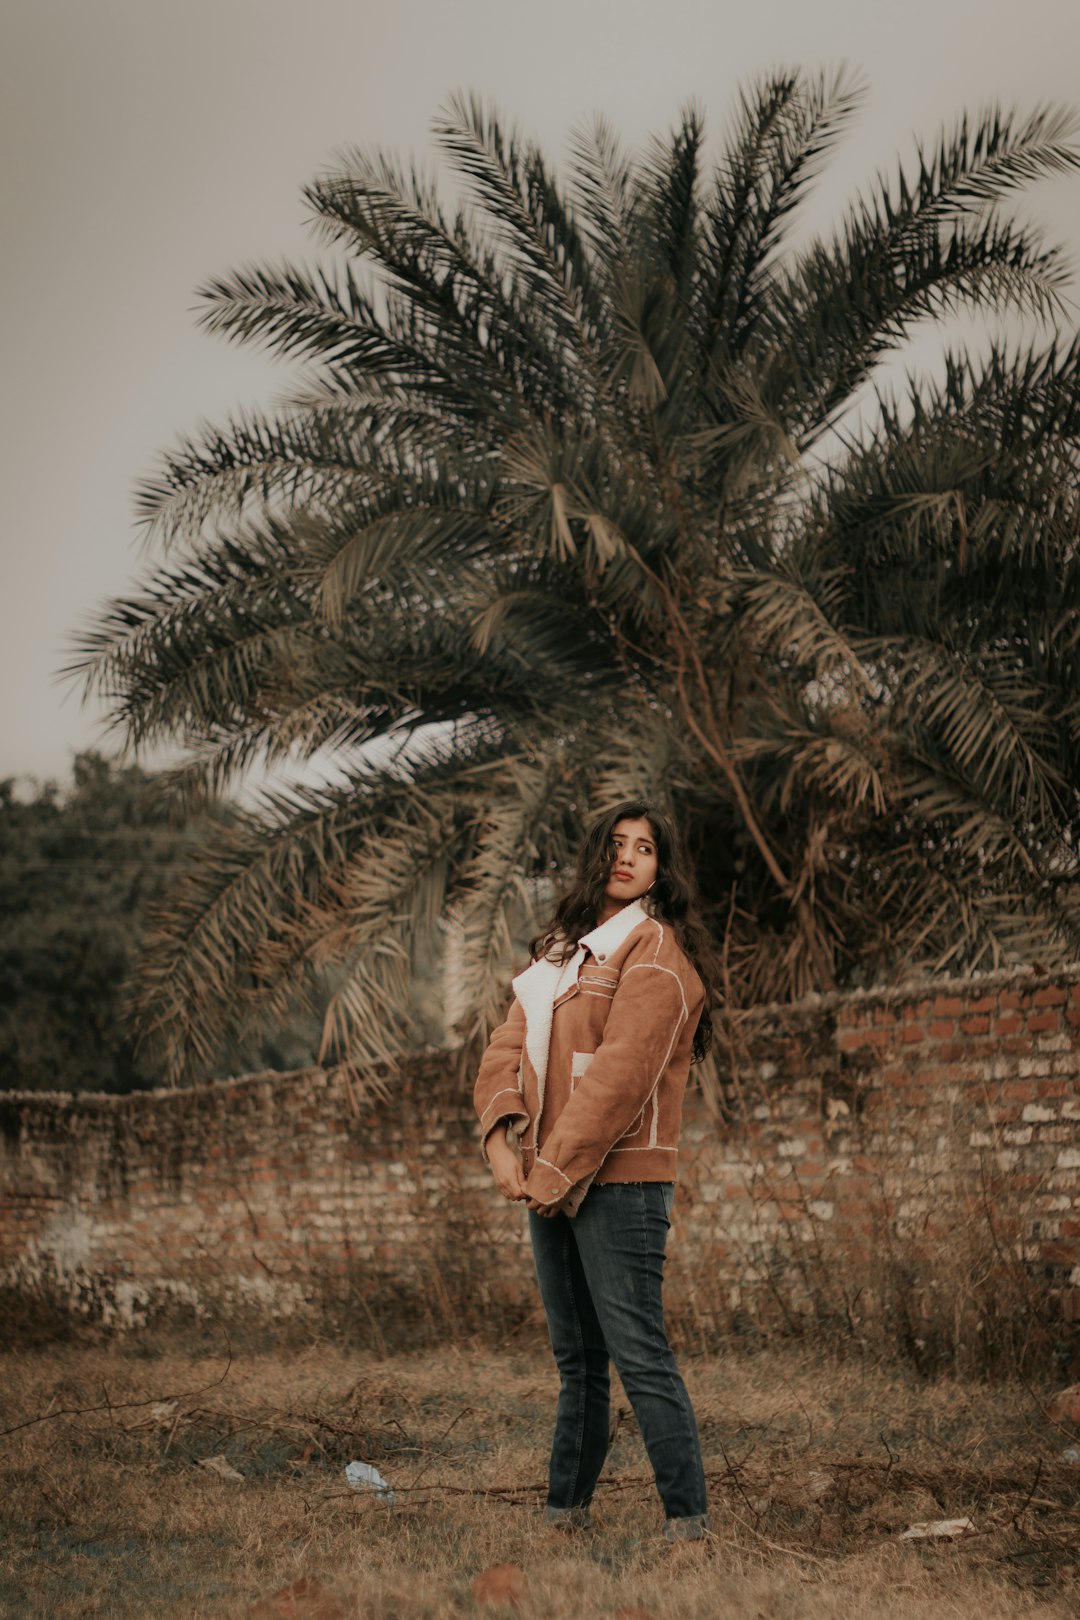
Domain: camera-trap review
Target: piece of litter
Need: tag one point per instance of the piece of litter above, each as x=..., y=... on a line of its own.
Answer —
x=819, y=1484
x=163, y=1410
x=1065, y=1406
x=1071, y=1455
x=221, y=1466
x=362, y=1477
x=939, y=1530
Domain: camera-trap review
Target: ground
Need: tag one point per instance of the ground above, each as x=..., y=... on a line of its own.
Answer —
x=108, y=1507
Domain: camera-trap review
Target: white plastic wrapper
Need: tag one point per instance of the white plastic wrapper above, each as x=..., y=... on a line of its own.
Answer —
x=363, y=1477
x=939, y=1530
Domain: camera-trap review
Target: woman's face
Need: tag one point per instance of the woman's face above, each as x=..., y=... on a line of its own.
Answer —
x=633, y=861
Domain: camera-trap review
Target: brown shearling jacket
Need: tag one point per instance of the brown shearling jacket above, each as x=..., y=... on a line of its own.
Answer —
x=590, y=1067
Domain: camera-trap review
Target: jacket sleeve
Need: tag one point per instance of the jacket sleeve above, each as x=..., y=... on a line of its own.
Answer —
x=648, y=1013
x=497, y=1094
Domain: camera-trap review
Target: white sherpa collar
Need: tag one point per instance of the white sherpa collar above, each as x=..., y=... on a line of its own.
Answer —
x=543, y=982
x=610, y=935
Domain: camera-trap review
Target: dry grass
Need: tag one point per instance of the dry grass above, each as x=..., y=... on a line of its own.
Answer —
x=814, y=1469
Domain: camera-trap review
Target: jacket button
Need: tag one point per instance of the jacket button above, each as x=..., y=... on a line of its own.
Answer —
x=601, y=956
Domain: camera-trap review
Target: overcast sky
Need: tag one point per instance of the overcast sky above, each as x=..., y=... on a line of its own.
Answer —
x=150, y=144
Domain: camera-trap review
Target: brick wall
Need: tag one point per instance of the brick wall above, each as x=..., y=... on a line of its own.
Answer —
x=908, y=1158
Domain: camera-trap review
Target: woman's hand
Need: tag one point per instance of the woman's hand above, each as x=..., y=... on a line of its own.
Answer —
x=505, y=1166
x=546, y=1210
x=506, y=1171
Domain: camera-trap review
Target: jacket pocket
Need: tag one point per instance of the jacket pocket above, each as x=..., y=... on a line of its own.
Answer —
x=635, y=1127
x=579, y=1063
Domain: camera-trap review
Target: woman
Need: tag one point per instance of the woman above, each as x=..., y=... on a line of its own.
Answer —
x=580, y=1100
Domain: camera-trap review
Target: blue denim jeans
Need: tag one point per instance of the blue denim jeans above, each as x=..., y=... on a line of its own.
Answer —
x=600, y=1278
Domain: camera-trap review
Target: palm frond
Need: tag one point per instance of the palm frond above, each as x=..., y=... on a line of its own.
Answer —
x=797, y=620
x=590, y=488
x=317, y=455
x=521, y=837
x=786, y=126
x=605, y=189
x=840, y=767
x=983, y=713
x=510, y=183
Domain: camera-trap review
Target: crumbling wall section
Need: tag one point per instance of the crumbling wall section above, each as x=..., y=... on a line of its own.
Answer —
x=852, y=1144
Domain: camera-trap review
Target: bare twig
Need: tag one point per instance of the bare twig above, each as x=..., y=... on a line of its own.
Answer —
x=777, y=1546
x=892, y=1455
x=465, y=1410
x=108, y=1405
x=1019, y=1514
x=732, y=1474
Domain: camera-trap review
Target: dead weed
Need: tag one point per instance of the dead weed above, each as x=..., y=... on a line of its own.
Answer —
x=121, y=1495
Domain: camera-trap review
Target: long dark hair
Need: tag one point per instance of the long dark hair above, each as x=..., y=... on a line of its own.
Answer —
x=673, y=897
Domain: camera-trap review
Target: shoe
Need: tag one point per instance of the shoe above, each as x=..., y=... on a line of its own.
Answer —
x=688, y=1552
x=568, y=1521
x=694, y=1528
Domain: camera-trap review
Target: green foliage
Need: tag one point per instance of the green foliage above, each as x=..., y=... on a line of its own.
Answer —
x=590, y=487
x=80, y=872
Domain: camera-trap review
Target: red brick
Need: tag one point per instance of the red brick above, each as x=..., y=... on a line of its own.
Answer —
x=941, y=1028
x=982, y=1004
x=948, y=1005
x=849, y=1040
x=1021, y=1090
x=1012, y=1024
x=1074, y=994
x=1059, y=1254
x=912, y=1033
x=975, y=1026
x=1052, y=995
x=1013, y=1000
x=1044, y=1023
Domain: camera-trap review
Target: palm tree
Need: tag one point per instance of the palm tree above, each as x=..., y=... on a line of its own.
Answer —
x=594, y=487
